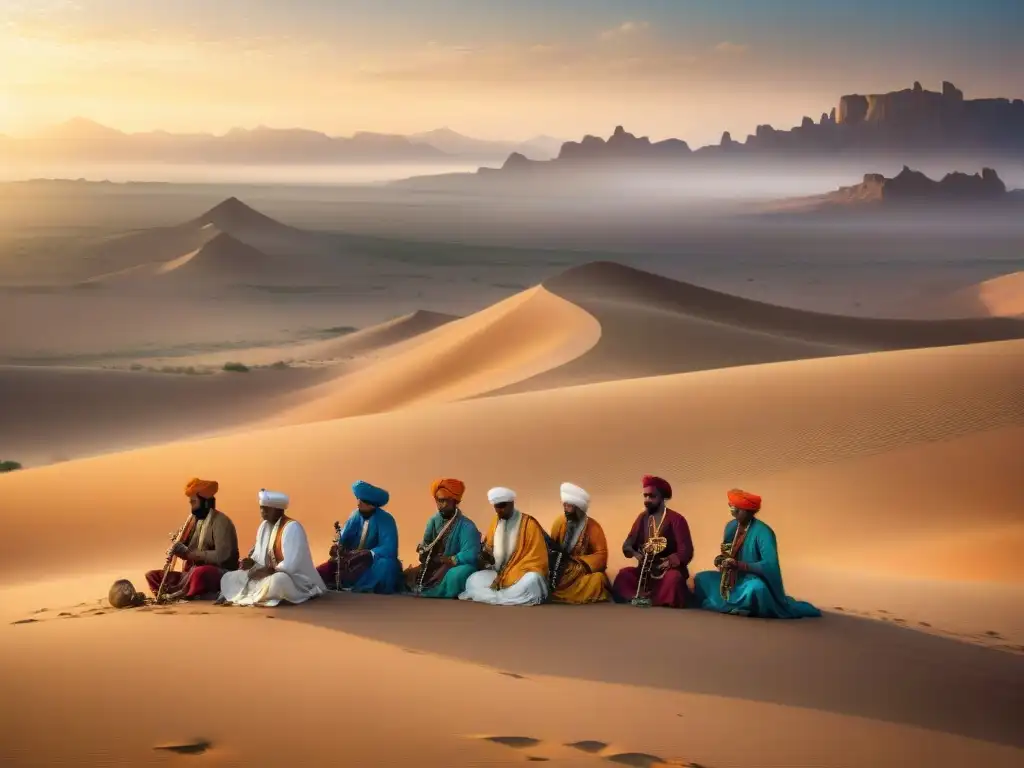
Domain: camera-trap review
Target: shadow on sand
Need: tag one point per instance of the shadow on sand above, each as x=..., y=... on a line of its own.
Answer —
x=839, y=664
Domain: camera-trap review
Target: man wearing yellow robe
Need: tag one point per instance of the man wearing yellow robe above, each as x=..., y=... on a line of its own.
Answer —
x=580, y=554
x=514, y=557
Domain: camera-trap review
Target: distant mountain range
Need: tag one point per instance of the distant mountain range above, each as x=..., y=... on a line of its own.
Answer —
x=85, y=141
x=911, y=125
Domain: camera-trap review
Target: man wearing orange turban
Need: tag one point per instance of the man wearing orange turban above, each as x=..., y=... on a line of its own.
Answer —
x=448, y=488
x=450, y=550
x=748, y=578
x=664, y=535
x=207, y=548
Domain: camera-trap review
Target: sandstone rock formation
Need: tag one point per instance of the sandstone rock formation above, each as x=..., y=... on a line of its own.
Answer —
x=910, y=186
x=911, y=123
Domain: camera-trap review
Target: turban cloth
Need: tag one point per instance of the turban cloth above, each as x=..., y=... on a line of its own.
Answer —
x=448, y=488
x=273, y=499
x=205, y=488
x=501, y=495
x=371, y=494
x=743, y=500
x=573, y=494
x=656, y=482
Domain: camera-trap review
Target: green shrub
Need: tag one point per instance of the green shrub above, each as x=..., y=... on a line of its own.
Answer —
x=236, y=367
x=9, y=466
x=280, y=365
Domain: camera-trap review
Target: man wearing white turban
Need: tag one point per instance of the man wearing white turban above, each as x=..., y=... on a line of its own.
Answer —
x=514, y=557
x=279, y=566
x=580, y=552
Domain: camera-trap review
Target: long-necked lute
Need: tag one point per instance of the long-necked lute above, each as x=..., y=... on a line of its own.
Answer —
x=176, y=538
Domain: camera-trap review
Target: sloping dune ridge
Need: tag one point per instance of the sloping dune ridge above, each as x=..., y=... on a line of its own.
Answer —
x=515, y=339
x=222, y=258
x=653, y=325
x=1001, y=296
x=840, y=448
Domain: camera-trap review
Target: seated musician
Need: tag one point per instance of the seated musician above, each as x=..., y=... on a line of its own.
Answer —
x=581, y=552
x=514, y=557
x=279, y=567
x=368, y=558
x=665, y=536
x=450, y=550
x=748, y=579
x=208, y=548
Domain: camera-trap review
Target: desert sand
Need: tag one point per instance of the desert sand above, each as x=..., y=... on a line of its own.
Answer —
x=1001, y=296
x=887, y=453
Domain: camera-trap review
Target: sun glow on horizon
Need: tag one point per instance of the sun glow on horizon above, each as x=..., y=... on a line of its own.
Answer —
x=343, y=68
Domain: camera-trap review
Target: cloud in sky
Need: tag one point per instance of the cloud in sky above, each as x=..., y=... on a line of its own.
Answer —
x=731, y=49
x=624, y=29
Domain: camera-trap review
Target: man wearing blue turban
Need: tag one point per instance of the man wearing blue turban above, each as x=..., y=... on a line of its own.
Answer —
x=365, y=556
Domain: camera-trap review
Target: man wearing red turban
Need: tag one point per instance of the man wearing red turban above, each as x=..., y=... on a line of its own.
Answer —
x=207, y=548
x=662, y=537
x=748, y=578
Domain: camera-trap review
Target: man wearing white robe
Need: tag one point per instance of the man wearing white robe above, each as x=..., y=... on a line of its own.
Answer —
x=280, y=565
x=515, y=557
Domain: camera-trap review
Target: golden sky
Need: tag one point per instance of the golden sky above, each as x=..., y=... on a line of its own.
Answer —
x=689, y=69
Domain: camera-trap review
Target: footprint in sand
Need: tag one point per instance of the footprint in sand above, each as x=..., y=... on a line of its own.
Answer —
x=516, y=742
x=513, y=675
x=25, y=621
x=536, y=759
x=924, y=623
x=639, y=759
x=590, y=747
x=993, y=633
x=197, y=747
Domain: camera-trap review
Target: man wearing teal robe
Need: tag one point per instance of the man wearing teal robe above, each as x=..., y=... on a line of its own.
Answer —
x=450, y=550
x=748, y=581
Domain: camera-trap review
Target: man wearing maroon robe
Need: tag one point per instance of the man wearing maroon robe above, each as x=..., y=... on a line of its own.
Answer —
x=208, y=548
x=667, y=583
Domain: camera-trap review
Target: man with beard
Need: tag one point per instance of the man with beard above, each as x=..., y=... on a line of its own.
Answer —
x=368, y=556
x=208, y=547
x=748, y=579
x=279, y=566
x=450, y=550
x=514, y=557
x=662, y=534
x=581, y=552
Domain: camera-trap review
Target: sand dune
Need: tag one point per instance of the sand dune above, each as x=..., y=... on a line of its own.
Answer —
x=955, y=413
x=627, y=324
x=513, y=340
x=999, y=297
x=221, y=259
x=240, y=239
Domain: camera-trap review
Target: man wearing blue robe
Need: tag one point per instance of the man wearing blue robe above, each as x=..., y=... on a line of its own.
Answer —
x=748, y=581
x=450, y=550
x=367, y=558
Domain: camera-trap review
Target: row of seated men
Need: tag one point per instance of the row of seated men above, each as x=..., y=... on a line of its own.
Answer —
x=517, y=562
